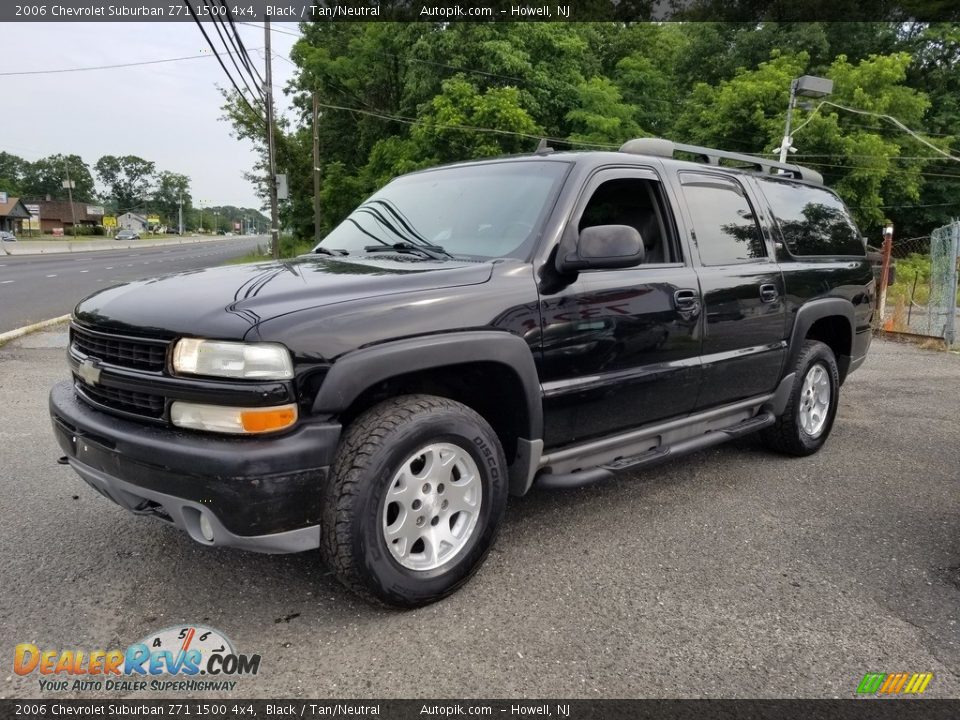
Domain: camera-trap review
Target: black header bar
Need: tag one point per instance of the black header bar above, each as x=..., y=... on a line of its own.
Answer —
x=484, y=11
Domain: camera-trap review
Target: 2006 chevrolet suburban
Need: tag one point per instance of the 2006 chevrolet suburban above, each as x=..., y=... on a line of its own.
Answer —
x=466, y=333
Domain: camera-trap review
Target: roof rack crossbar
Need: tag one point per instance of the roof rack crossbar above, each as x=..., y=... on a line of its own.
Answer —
x=667, y=148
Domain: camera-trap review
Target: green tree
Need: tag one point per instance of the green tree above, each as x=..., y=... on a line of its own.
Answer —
x=936, y=71
x=600, y=117
x=47, y=175
x=440, y=134
x=855, y=153
x=171, y=189
x=395, y=97
x=128, y=178
x=12, y=169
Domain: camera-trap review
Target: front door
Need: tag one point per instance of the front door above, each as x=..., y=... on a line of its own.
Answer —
x=620, y=347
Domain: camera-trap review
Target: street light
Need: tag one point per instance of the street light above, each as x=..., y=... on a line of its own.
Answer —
x=806, y=86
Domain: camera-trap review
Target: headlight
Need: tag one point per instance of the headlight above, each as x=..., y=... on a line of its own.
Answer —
x=243, y=421
x=248, y=361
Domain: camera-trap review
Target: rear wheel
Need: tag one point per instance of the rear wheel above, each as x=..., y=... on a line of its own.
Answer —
x=805, y=423
x=416, y=495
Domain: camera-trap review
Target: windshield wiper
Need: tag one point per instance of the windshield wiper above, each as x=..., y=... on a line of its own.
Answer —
x=325, y=251
x=431, y=251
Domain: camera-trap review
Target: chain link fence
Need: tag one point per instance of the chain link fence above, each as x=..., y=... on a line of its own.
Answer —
x=922, y=297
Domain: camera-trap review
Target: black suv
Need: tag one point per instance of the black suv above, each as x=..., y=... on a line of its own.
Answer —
x=467, y=333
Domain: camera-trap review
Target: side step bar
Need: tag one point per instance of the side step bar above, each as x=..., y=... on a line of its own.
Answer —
x=655, y=456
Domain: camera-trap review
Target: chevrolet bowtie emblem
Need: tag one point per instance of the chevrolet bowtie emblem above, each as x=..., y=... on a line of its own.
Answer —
x=89, y=372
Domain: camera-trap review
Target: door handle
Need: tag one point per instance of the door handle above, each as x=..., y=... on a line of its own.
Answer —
x=686, y=300
x=768, y=293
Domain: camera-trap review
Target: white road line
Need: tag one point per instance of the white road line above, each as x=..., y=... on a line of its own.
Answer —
x=50, y=276
x=109, y=268
x=5, y=282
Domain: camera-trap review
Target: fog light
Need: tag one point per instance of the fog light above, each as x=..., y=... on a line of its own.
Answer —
x=206, y=529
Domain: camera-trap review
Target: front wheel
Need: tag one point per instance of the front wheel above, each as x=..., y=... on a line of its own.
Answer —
x=805, y=423
x=416, y=495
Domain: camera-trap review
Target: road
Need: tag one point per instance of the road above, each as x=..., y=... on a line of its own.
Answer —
x=37, y=287
x=730, y=573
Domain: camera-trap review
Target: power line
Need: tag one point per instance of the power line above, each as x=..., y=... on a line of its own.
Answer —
x=889, y=118
x=247, y=61
x=444, y=126
x=861, y=155
x=219, y=60
x=273, y=28
x=868, y=167
x=217, y=24
x=104, y=67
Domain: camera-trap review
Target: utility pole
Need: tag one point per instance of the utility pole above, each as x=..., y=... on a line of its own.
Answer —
x=787, y=140
x=806, y=86
x=69, y=186
x=180, y=214
x=316, y=168
x=885, y=270
x=271, y=159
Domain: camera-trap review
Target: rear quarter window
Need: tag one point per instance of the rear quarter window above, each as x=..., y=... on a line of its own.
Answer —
x=813, y=221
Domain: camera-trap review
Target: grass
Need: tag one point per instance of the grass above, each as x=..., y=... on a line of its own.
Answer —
x=290, y=246
x=913, y=269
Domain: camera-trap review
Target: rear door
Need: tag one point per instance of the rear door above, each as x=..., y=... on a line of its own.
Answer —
x=742, y=288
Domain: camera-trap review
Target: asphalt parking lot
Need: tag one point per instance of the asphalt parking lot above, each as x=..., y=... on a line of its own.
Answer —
x=731, y=573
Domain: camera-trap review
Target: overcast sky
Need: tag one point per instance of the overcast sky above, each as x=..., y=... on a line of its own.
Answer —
x=168, y=113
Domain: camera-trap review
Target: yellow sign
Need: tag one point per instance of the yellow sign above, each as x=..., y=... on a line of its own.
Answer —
x=109, y=221
x=153, y=220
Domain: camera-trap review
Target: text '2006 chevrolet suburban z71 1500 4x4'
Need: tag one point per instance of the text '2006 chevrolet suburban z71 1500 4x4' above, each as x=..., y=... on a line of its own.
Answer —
x=467, y=333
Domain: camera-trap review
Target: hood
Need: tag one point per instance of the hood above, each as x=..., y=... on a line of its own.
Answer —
x=226, y=302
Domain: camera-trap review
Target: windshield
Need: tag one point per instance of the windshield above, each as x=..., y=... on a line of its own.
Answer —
x=477, y=211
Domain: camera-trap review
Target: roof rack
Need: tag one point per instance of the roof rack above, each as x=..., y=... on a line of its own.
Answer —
x=667, y=148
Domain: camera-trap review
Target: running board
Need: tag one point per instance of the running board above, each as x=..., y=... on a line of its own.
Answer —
x=654, y=456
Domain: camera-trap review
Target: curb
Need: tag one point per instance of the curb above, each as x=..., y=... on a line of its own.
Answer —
x=27, y=329
x=70, y=247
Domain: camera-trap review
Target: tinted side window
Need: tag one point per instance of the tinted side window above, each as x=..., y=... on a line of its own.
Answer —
x=813, y=221
x=724, y=226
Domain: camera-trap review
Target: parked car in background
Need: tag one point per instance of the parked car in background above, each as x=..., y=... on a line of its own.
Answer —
x=127, y=235
x=6, y=236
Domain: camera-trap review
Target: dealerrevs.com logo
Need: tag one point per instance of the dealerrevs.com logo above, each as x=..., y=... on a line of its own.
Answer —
x=184, y=659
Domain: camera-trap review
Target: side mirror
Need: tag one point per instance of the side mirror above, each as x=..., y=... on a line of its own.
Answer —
x=605, y=247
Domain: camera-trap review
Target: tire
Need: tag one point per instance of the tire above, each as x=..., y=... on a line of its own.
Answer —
x=791, y=434
x=402, y=470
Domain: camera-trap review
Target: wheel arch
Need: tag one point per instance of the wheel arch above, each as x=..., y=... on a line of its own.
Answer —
x=830, y=321
x=460, y=366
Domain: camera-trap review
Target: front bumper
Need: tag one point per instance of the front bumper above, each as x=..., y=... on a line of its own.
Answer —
x=260, y=494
